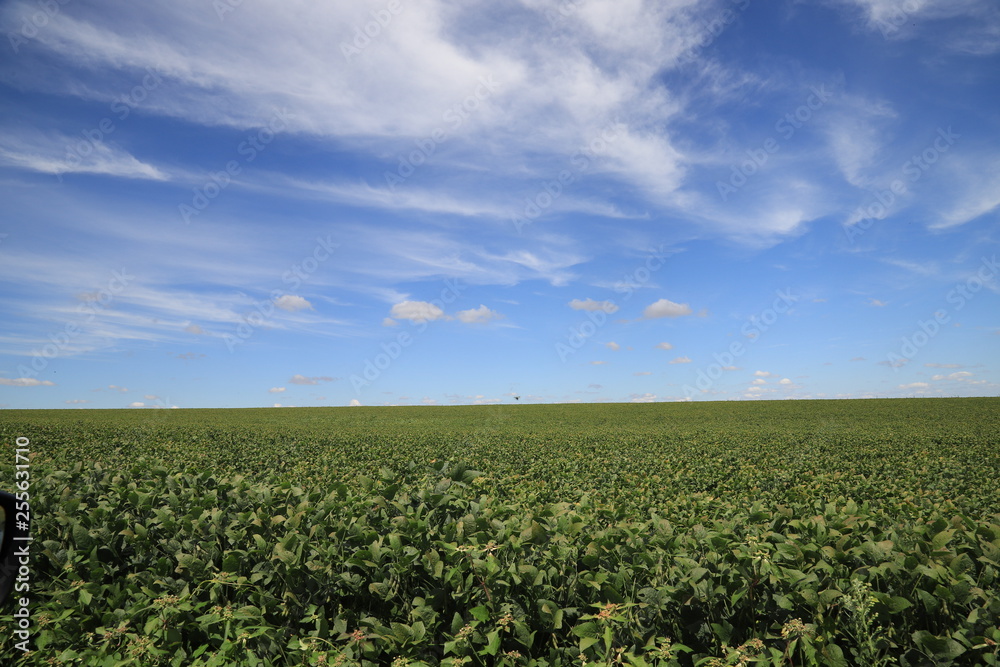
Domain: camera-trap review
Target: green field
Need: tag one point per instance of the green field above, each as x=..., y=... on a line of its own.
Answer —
x=861, y=532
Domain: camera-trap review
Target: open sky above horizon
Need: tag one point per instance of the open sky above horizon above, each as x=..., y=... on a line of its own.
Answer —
x=238, y=204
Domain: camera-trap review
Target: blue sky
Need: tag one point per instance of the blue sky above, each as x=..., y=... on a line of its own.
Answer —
x=240, y=204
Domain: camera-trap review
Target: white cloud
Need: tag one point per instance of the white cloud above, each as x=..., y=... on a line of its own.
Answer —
x=608, y=307
x=784, y=381
x=389, y=322
x=613, y=346
x=478, y=315
x=26, y=382
x=117, y=388
x=47, y=154
x=417, y=311
x=914, y=385
x=151, y=397
x=641, y=373
x=76, y=401
x=276, y=390
x=878, y=303
x=194, y=329
x=764, y=374
x=664, y=346
x=642, y=398
x=666, y=308
x=932, y=365
x=759, y=381
x=681, y=360
x=354, y=403
x=292, y=303
x=975, y=184
x=960, y=375
x=302, y=379
x=137, y=404
x=856, y=129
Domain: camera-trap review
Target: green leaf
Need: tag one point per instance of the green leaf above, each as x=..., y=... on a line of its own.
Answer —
x=939, y=647
x=493, y=643
x=588, y=629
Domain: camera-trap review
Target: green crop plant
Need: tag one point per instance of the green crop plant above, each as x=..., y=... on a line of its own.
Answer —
x=783, y=533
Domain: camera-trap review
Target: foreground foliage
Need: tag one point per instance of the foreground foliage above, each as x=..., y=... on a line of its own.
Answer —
x=795, y=533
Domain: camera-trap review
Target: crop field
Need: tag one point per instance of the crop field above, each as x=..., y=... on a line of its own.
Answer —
x=861, y=532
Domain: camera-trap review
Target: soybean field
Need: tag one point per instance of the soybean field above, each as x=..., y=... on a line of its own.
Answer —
x=861, y=532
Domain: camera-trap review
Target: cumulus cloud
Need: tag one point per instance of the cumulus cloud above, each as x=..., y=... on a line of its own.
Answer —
x=664, y=346
x=784, y=381
x=681, y=360
x=417, y=311
x=764, y=374
x=960, y=375
x=76, y=401
x=137, y=404
x=878, y=303
x=666, y=308
x=292, y=303
x=914, y=385
x=26, y=382
x=194, y=329
x=354, y=403
x=478, y=315
x=591, y=305
x=302, y=379
x=641, y=373
x=276, y=390
x=613, y=346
